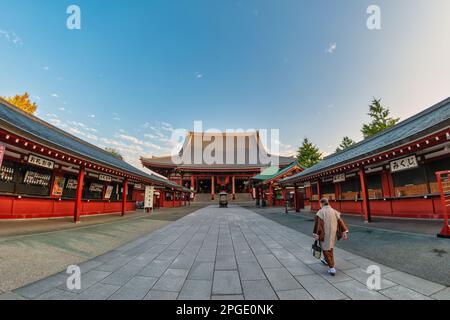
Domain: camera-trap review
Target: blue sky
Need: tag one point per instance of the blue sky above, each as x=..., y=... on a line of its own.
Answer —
x=137, y=69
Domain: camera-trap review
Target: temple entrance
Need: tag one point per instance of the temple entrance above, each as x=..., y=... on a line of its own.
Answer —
x=204, y=185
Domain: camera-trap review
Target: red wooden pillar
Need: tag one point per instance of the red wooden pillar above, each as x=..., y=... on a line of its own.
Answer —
x=124, y=195
x=270, y=197
x=365, y=196
x=319, y=193
x=173, y=199
x=213, y=189
x=285, y=199
x=296, y=199
x=79, y=195
x=192, y=183
x=233, y=187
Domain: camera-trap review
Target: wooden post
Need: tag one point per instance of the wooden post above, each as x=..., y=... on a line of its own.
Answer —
x=319, y=193
x=365, y=196
x=270, y=197
x=296, y=199
x=79, y=196
x=233, y=187
x=286, y=200
x=173, y=199
x=213, y=188
x=124, y=195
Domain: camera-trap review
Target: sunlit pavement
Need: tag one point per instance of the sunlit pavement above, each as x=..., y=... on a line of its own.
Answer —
x=227, y=254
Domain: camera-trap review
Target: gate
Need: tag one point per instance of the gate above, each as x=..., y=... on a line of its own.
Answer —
x=443, y=178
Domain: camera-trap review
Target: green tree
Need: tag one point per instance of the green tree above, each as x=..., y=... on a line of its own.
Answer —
x=22, y=102
x=115, y=153
x=346, y=143
x=381, y=119
x=308, y=154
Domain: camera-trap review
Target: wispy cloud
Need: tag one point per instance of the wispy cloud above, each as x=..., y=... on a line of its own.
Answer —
x=331, y=48
x=55, y=95
x=11, y=37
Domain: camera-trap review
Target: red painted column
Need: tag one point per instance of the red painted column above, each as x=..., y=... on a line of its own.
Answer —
x=365, y=196
x=296, y=199
x=173, y=198
x=213, y=189
x=270, y=197
x=233, y=181
x=192, y=183
x=319, y=193
x=124, y=195
x=79, y=195
x=285, y=199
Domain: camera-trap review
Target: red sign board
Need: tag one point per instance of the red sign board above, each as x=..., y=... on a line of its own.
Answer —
x=2, y=153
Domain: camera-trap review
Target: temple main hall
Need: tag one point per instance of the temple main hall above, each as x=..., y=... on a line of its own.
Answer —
x=217, y=162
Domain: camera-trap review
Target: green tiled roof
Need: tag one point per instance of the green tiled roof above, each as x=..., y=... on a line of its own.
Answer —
x=274, y=171
x=426, y=122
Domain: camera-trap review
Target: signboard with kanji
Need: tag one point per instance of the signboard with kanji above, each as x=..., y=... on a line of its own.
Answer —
x=339, y=178
x=404, y=164
x=41, y=162
x=148, y=198
x=105, y=178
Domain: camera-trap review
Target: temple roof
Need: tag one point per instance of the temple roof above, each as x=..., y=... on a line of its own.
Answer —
x=429, y=121
x=35, y=129
x=274, y=172
x=228, y=151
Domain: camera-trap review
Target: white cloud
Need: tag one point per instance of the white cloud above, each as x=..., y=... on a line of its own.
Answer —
x=46, y=68
x=11, y=36
x=52, y=115
x=116, y=119
x=91, y=116
x=331, y=48
x=55, y=95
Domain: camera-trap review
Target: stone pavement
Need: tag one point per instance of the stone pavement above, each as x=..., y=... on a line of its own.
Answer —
x=227, y=254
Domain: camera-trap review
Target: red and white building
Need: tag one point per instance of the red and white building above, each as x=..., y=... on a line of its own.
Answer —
x=392, y=174
x=47, y=173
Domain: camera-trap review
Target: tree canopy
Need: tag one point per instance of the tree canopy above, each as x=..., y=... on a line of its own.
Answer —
x=22, y=102
x=381, y=119
x=346, y=143
x=114, y=152
x=308, y=154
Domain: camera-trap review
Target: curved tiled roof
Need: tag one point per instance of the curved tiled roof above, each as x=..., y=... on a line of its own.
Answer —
x=33, y=128
x=274, y=172
x=426, y=122
x=242, y=144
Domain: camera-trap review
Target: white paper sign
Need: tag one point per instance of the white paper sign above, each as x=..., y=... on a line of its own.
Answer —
x=404, y=164
x=40, y=162
x=339, y=178
x=148, y=198
x=105, y=178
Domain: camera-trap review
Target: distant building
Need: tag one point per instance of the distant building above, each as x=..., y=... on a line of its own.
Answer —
x=209, y=163
x=392, y=174
x=46, y=172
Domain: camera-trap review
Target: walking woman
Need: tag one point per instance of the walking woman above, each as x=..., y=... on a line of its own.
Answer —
x=327, y=228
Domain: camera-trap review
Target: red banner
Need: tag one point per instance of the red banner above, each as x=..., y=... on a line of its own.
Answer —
x=2, y=153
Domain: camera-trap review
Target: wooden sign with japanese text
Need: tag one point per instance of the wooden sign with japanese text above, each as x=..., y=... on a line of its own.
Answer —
x=404, y=164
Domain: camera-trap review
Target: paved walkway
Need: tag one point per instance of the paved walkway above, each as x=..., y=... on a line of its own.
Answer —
x=33, y=250
x=227, y=254
x=386, y=241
